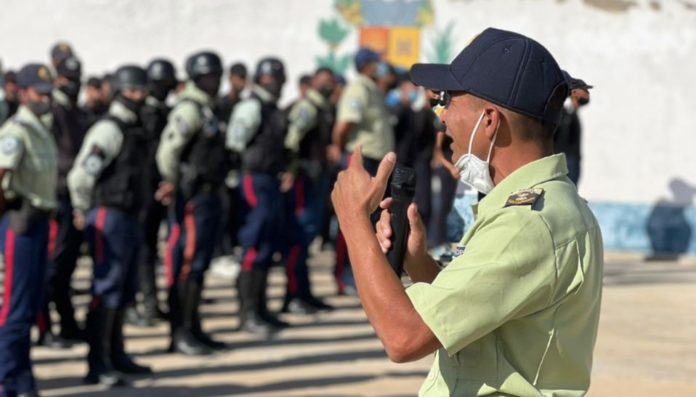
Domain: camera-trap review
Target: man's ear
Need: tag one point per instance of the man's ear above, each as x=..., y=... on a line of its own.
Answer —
x=491, y=121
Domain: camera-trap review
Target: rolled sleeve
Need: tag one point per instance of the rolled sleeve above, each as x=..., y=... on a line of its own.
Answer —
x=506, y=271
x=353, y=104
x=11, y=150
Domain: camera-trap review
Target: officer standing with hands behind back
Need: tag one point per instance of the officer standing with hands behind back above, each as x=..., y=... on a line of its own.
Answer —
x=516, y=313
x=28, y=175
x=106, y=191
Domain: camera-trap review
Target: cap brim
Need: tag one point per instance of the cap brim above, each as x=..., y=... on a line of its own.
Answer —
x=433, y=76
x=43, y=88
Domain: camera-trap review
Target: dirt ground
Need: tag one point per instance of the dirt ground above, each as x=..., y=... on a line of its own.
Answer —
x=646, y=345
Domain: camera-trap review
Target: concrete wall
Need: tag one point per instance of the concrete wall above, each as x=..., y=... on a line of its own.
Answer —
x=639, y=130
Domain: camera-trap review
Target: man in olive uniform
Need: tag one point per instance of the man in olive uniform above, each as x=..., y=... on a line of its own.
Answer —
x=28, y=163
x=311, y=121
x=192, y=160
x=362, y=119
x=161, y=76
x=257, y=131
x=106, y=191
x=516, y=313
x=69, y=126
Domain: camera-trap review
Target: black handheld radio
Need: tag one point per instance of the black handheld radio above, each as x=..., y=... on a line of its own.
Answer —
x=403, y=188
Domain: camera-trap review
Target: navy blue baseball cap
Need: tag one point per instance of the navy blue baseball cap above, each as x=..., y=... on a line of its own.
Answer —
x=36, y=76
x=365, y=56
x=505, y=68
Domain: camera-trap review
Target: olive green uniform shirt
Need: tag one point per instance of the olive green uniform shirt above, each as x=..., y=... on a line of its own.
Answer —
x=517, y=311
x=363, y=104
x=102, y=144
x=303, y=117
x=28, y=150
x=183, y=123
x=245, y=119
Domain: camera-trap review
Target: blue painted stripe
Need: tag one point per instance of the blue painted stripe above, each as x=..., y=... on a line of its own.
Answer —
x=662, y=228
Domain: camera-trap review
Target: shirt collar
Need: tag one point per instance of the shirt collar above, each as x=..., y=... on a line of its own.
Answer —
x=366, y=81
x=120, y=111
x=316, y=98
x=263, y=94
x=525, y=177
x=193, y=92
x=61, y=98
x=27, y=116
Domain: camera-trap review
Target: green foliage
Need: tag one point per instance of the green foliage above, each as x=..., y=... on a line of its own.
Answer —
x=332, y=32
x=442, y=45
x=339, y=64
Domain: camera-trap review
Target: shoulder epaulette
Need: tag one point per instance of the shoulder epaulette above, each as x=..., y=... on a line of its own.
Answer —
x=524, y=197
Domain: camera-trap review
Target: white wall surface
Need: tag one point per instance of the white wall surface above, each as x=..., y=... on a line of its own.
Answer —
x=640, y=129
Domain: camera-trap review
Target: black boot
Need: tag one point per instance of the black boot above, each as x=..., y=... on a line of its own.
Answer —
x=100, y=324
x=174, y=314
x=263, y=302
x=196, y=328
x=304, y=303
x=250, y=319
x=184, y=340
x=119, y=358
x=148, y=287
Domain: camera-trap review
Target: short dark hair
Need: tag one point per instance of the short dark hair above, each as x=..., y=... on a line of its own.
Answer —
x=533, y=129
x=238, y=69
x=323, y=69
x=10, y=76
x=305, y=79
x=94, y=82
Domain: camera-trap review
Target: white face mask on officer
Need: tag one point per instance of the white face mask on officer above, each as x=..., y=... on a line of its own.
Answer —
x=472, y=170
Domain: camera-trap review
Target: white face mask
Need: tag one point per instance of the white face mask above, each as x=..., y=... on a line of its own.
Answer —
x=472, y=170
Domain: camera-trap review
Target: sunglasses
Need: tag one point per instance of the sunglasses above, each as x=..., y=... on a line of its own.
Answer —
x=444, y=98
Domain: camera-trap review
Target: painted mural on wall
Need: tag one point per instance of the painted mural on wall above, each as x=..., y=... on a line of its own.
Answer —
x=393, y=28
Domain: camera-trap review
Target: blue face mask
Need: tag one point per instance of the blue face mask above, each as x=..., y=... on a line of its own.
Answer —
x=382, y=70
x=412, y=96
x=393, y=98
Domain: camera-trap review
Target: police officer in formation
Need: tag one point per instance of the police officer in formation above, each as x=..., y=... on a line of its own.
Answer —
x=257, y=131
x=110, y=180
x=162, y=80
x=311, y=121
x=107, y=195
x=192, y=161
x=28, y=163
x=69, y=122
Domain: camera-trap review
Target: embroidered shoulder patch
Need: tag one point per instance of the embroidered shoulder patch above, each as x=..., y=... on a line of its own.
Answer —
x=524, y=197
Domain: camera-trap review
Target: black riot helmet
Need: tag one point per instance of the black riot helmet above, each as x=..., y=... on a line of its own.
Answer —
x=270, y=66
x=129, y=77
x=202, y=63
x=161, y=70
x=161, y=76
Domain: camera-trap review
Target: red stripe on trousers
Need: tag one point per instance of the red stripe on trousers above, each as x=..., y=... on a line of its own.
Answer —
x=174, y=236
x=248, y=187
x=190, y=247
x=52, y=236
x=340, y=260
x=9, y=270
x=299, y=197
x=249, y=258
x=291, y=269
x=99, y=237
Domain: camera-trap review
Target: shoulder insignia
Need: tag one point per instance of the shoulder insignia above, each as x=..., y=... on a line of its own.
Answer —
x=181, y=125
x=524, y=197
x=355, y=105
x=9, y=144
x=94, y=162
